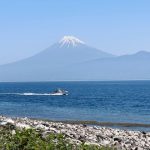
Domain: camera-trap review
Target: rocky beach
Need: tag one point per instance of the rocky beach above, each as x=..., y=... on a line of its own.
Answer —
x=79, y=133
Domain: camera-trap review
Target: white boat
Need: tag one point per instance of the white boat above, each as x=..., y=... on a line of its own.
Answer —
x=59, y=92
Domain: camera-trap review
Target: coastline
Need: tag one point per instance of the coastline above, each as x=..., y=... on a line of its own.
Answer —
x=118, y=125
x=79, y=132
x=97, y=123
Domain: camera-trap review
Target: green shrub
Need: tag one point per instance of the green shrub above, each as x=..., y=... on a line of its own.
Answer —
x=30, y=139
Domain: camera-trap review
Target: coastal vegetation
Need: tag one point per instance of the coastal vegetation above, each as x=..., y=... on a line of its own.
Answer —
x=29, y=134
x=31, y=139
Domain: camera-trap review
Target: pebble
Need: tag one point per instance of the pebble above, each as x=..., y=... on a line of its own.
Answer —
x=101, y=136
x=22, y=125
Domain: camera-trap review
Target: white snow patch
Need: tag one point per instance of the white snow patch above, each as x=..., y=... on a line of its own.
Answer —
x=70, y=41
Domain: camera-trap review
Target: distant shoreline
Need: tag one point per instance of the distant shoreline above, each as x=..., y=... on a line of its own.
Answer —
x=136, y=80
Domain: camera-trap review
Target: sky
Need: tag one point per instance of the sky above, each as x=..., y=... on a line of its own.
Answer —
x=115, y=26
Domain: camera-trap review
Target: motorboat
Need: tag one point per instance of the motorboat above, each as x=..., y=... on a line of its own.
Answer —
x=59, y=92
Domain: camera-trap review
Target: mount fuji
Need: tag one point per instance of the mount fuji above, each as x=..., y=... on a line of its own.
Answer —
x=67, y=51
x=48, y=64
x=71, y=59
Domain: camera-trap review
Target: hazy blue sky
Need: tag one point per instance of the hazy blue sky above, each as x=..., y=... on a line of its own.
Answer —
x=115, y=26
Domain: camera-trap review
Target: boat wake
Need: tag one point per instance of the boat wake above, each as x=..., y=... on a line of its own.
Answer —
x=28, y=94
x=57, y=92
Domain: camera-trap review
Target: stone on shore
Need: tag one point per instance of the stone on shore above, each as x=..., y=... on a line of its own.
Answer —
x=101, y=136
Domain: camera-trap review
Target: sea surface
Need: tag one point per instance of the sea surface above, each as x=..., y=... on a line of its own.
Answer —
x=112, y=101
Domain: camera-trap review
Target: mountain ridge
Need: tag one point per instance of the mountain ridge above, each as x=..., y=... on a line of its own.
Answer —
x=72, y=59
x=76, y=46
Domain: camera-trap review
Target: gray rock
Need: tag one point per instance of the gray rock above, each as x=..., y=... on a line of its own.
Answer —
x=121, y=139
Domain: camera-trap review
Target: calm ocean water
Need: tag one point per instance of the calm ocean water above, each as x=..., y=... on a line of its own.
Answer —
x=127, y=101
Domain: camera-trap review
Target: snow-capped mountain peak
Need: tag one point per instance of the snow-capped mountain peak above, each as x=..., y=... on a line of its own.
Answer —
x=70, y=41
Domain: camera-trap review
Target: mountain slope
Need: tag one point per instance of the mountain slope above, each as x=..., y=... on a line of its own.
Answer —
x=45, y=65
x=72, y=59
x=127, y=67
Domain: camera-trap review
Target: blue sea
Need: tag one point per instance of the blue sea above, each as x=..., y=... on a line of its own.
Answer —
x=112, y=101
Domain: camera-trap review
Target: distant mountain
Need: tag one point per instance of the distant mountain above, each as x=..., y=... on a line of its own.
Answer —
x=67, y=51
x=72, y=59
x=45, y=65
x=127, y=67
